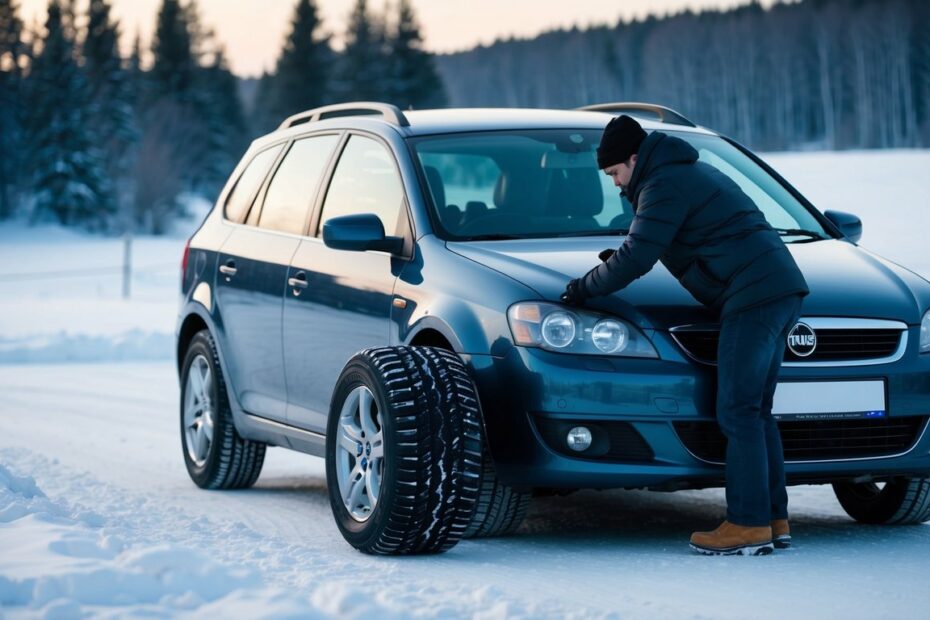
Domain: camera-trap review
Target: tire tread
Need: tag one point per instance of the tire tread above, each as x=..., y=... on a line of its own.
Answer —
x=240, y=460
x=903, y=501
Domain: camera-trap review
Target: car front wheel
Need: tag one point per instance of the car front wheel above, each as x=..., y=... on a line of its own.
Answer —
x=500, y=509
x=899, y=501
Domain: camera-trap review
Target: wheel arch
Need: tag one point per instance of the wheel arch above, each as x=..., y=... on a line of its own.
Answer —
x=430, y=337
x=430, y=331
x=192, y=324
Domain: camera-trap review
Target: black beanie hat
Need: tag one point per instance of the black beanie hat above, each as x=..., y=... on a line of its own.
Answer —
x=621, y=138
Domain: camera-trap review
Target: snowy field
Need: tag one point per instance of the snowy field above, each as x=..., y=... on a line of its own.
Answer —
x=98, y=517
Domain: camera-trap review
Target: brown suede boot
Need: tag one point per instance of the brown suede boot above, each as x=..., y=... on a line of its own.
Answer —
x=732, y=539
x=781, y=534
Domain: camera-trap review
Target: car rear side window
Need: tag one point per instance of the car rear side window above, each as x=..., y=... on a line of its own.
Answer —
x=365, y=181
x=291, y=191
x=243, y=193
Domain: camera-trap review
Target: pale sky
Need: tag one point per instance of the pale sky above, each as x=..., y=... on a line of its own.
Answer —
x=253, y=30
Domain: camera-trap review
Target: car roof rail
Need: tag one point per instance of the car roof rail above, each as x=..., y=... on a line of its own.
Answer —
x=391, y=113
x=653, y=111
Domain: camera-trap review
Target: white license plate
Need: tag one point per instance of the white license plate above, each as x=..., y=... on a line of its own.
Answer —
x=822, y=400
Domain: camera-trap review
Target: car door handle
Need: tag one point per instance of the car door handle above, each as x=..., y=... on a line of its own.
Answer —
x=298, y=281
x=228, y=269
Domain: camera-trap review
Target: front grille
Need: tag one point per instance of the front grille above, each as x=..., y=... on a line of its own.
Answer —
x=851, y=344
x=616, y=442
x=815, y=440
x=833, y=345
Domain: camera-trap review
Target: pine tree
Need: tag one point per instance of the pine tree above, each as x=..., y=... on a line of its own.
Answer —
x=363, y=63
x=69, y=182
x=414, y=80
x=174, y=70
x=301, y=79
x=112, y=119
x=11, y=109
x=136, y=76
x=226, y=119
x=176, y=145
x=263, y=117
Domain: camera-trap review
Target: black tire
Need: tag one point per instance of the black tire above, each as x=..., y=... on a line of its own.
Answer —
x=230, y=462
x=903, y=501
x=431, y=437
x=500, y=509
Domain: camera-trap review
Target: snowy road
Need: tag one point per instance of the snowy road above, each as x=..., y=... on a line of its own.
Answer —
x=101, y=441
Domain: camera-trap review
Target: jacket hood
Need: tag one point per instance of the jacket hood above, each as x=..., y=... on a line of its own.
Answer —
x=657, y=150
x=844, y=280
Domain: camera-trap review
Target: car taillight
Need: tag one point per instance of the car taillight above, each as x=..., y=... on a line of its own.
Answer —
x=187, y=253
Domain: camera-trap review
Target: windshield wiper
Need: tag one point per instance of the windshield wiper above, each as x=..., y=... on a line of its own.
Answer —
x=799, y=232
x=493, y=237
x=592, y=233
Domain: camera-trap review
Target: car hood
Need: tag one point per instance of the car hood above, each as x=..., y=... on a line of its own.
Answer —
x=844, y=279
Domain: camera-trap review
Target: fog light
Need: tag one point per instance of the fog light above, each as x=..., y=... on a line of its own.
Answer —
x=579, y=438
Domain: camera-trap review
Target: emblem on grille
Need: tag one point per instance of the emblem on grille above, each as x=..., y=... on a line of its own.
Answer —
x=802, y=340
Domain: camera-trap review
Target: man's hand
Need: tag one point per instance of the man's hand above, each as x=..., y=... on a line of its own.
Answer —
x=605, y=254
x=573, y=295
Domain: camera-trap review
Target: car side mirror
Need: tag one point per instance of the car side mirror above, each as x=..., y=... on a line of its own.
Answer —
x=849, y=224
x=359, y=233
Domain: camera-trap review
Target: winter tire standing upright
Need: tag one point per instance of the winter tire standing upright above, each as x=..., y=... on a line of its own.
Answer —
x=403, y=450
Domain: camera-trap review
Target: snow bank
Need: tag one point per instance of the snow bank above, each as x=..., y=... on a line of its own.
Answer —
x=61, y=296
x=133, y=345
x=59, y=563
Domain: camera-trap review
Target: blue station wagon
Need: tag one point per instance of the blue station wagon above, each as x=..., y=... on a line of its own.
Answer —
x=381, y=288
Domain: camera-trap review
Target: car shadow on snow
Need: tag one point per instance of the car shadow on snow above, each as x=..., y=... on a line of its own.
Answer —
x=655, y=522
x=636, y=522
x=310, y=490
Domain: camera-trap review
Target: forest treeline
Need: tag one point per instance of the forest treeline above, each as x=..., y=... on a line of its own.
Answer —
x=825, y=74
x=94, y=139
x=106, y=141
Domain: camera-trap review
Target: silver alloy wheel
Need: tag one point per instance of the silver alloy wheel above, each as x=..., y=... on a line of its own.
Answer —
x=360, y=453
x=198, y=410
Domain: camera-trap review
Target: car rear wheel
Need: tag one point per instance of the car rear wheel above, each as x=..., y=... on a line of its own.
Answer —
x=403, y=450
x=900, y=501
x=216, y=456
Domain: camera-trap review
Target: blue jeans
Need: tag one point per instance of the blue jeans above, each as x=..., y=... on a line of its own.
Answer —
x=749, y=354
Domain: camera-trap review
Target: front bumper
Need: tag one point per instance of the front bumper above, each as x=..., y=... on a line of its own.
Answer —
x=528, y=387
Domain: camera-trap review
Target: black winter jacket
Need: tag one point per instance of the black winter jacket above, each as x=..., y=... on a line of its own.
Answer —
x=705, y=230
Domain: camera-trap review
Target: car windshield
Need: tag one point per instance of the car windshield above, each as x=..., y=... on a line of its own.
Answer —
x=545, y=183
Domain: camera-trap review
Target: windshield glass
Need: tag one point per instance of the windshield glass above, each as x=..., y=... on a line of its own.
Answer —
x=545, y=183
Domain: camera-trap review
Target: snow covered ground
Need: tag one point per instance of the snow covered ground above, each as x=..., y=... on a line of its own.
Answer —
x=99, y=518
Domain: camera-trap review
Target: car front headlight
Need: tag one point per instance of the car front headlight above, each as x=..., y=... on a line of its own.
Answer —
x=925, y=333
x=556, y=328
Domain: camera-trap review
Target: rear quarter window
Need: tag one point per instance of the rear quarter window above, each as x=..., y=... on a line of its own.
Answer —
x=243, y=192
